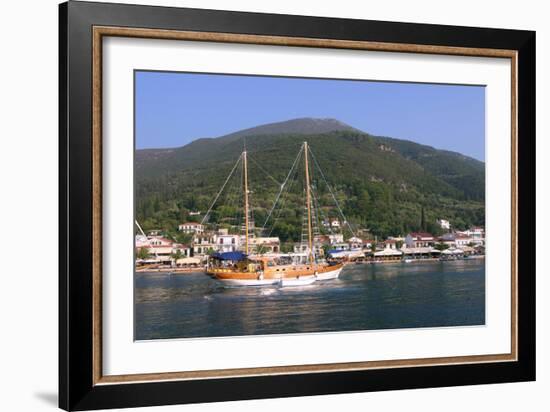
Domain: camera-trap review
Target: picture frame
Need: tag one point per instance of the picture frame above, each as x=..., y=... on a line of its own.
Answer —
x=82, y=28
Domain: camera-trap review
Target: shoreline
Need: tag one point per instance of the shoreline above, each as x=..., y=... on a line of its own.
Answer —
x=177, y=271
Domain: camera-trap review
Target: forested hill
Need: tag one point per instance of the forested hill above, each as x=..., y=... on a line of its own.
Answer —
x=382, y=183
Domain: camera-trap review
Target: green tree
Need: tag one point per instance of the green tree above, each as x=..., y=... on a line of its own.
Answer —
x=177, y=255
x=142, y=253
x=422, y=220
x=441, y=246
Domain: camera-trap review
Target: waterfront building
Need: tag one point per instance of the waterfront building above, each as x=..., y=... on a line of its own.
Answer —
x=426, y=252
x=447, y=239
x=387, y=254
x=224, y=242
x=336, y=238
x=160, y=248
x=390, y=244
x=462, y=239
x=265, y=244
x=355, y=243
x=477, y=235
x=203, y=244
x=367, y=243
x=419, y=239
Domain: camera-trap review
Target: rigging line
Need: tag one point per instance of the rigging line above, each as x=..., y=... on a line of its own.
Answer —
x=323, y=217
x=263, y=170
x=282, y=195
x=283, y=186
x=316, y=206
x=221, y=190
x=148, y=240
x=332, y=193
x=283, y=203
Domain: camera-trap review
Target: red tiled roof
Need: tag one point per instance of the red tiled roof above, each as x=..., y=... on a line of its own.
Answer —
x=421, y=234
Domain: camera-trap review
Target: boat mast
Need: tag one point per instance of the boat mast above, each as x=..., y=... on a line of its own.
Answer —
x=308, y=202
x=245, y=171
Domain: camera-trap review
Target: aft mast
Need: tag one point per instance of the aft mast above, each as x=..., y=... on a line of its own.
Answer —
x=245, y=173
x=308, y=203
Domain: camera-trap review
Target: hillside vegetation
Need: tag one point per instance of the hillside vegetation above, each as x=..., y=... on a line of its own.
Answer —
x=382, y=184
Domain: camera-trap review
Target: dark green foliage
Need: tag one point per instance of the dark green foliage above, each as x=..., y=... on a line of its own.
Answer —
x=387, y=185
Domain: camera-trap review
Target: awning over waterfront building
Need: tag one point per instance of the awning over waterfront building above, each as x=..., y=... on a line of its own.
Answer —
x=188, y=261
x=420, y=250
x=388, y=252
x=453, y=252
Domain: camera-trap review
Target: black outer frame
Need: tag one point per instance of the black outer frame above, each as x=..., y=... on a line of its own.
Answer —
x=76, y=389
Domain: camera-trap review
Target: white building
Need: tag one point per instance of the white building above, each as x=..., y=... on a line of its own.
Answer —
x=265, y=244
x=336, y=238
x=160, y=248
x=419, y=239
x=355, y=242
x=462, y=239
x=444, y=224
x=477, y=234
x=225, y=242
x=203, y=243
x=191, y=227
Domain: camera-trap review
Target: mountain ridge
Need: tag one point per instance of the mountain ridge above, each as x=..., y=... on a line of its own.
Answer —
x=383, y=182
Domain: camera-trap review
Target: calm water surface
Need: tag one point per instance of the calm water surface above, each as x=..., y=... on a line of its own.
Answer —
x=364, y=297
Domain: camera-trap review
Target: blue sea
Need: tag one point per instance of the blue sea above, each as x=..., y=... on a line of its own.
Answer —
x=365, y=297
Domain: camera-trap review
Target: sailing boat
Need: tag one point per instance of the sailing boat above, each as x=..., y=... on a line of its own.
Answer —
x=242, y=269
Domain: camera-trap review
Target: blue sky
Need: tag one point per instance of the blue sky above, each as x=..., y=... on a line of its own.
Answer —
x=173, y=109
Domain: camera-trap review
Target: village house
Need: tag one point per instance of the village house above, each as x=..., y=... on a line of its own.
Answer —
x=419, y=239
x=444, y=224
x=225, y=242
x=391, y=244
x=265, y=244
x=304, y=248
x=477, y=235
x=191, y=227
x=203, y=243
x=462, y=239
x=160, y=248
x=367, y=243
x=447, y=239
x=332, y=223
x=336, y=238
x=355, y=243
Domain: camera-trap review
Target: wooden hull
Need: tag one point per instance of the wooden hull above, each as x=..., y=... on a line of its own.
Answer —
x=297, y=274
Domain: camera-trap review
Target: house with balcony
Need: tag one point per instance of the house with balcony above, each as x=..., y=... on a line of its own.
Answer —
x=419, y=239
x=191, y=227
